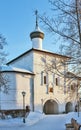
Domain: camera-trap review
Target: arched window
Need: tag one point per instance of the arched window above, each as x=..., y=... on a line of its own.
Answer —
x=44, y=78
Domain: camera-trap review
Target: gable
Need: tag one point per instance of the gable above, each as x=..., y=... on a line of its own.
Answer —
x=24, y=62
x=39, y=51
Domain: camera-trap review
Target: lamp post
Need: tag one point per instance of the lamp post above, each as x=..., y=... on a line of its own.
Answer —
x=23, y=94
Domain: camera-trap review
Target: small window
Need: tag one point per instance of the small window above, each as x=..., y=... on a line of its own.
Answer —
x=44, y=79
x=57, y=81
x=73, y=86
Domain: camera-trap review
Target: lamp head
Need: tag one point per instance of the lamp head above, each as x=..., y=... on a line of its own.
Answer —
x=23, y=93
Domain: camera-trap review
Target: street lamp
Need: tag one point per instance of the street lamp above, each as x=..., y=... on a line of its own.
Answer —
x=23, y=94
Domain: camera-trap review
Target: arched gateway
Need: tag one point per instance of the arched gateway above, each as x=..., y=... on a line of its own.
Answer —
x=50, y=107
x=69, y=107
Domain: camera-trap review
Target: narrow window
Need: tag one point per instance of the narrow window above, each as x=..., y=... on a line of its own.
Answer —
x=44, y=79
x=56, y=81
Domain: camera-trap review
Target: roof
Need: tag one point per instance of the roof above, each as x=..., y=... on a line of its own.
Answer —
x=6, y=68
x=37, y=50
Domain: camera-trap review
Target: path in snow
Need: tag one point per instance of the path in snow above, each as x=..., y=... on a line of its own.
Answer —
x=50, y=122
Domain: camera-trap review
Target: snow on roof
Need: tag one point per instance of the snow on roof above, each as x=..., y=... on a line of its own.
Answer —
x=6, y=68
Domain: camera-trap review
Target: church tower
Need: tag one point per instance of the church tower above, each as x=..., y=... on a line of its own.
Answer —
x=37, y=36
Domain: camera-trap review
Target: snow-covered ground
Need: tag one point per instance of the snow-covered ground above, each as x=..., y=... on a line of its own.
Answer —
x=35, y=118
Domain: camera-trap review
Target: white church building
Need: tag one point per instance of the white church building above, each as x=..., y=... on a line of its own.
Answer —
x=48, y=85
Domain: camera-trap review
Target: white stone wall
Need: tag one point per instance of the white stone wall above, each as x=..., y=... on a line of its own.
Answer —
x=38, y=62
x=40, y=91
x=14, y=100
x=7, y=101
x=25, y=62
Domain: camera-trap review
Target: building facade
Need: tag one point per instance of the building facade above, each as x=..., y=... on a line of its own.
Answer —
x=43, y=77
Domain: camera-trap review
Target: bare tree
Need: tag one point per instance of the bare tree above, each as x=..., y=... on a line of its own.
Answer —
x=55, y=66
x=65, y=22
x=3, y=77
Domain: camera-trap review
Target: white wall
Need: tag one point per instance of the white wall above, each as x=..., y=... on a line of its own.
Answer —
x=34, y=62
x=14, y=100
x=25, y=62
x=40, y=91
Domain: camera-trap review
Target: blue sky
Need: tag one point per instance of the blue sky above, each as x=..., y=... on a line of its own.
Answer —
x=17, y=21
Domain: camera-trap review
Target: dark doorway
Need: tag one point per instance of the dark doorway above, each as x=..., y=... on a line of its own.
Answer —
x=68, y=107
x=50, y=107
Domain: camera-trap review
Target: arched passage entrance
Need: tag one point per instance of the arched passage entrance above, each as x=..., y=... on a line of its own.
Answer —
x=50, y=107
x=69, y=107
